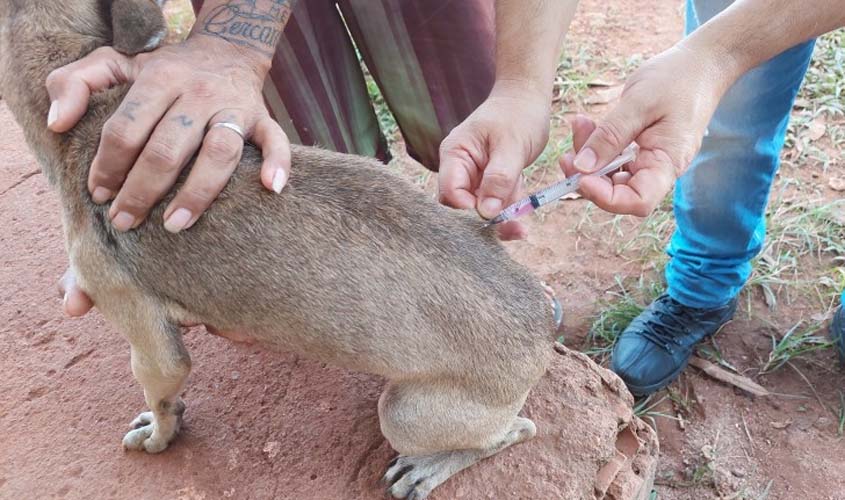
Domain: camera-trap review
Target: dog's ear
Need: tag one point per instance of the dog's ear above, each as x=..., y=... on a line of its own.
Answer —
x=137, y=25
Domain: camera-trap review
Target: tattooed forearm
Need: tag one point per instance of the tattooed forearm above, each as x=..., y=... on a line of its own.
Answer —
x=256, y=24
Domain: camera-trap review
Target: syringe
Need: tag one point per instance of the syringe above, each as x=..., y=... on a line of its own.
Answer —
x=560, y=189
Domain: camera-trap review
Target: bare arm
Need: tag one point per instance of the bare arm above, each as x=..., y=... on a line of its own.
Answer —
x=529, y=40
x=750, y=32
x=667, y=103
x=482, y=158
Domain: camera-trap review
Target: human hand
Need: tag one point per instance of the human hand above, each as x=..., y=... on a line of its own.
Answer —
x=177, y=93
x=665, y=108
x=482, y=159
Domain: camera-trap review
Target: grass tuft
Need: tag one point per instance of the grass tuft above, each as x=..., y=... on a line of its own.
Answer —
x=615, y=314
x=795, y=343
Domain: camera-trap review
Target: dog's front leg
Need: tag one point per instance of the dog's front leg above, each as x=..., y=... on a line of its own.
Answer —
x=161, y=364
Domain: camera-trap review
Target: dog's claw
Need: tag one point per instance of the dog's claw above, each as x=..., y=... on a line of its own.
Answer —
x=403, y=481
x=142, y=420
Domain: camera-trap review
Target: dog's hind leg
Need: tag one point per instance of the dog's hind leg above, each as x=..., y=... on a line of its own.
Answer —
x=439, y=430
x=161, y=364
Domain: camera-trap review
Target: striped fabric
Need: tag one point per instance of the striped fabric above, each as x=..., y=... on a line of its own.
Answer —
x=432, y=59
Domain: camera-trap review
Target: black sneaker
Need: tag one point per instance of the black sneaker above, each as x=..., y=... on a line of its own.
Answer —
x=837, y=333
x=657, y=345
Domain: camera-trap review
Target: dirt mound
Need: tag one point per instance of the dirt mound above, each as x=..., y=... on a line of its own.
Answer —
x=259, y=425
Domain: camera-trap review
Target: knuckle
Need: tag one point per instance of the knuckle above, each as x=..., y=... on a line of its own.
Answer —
x=161, y=157
x=201, y=89
x=500, y=180
x=199, y=196
x=135, y=202
x=610, y=134
x=116, y=136
x=222, y=150
x=57, y=77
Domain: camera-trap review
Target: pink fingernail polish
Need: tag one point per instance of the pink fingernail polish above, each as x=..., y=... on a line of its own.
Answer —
x=178, y=220
x=123, y=221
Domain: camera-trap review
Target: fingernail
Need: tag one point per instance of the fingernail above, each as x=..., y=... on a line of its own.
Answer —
x=178, y=220
x=101, y=195
x=279, y=180
x=585, y=160
x=490, y=207
x=53, y=115
x=123, y=221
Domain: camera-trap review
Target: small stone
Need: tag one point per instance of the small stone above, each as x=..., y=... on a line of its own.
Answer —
x=781, y=425
x=821, y=423
x=272, y=449
x=738, y=472
x=836, y=183
x=816, y=129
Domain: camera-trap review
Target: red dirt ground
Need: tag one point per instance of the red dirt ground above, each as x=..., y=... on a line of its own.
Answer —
x=67, y=395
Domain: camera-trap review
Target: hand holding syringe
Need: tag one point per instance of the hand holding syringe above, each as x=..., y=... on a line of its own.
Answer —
x=561, y=189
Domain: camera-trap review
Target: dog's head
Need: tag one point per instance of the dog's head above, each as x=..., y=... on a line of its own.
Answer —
x=130, y=26
x=39, y=36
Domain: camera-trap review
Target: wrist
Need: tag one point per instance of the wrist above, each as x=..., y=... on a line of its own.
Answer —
x=253, y=32
x=716, y=61
x=252, y=63
x=522, y=88
x=718, y=45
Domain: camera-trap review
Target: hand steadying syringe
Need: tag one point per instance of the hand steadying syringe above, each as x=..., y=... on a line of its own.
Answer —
x=560, y=189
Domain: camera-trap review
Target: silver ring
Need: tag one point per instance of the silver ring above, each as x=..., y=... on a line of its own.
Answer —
x=231, y=126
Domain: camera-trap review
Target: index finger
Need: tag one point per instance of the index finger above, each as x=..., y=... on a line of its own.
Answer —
x=70, y=87
x=456, y=180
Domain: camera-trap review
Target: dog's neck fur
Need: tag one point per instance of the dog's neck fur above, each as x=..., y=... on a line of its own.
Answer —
x=30, y=49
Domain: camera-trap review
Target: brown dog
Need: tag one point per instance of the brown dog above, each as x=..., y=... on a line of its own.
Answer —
x=349, y=265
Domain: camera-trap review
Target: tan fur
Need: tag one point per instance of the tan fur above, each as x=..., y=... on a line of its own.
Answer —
x=349, y=265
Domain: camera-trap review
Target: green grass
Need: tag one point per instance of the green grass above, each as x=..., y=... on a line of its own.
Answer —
x=799, y=233
x=386, y=120
x=616, y=312
x=573, y=77
x=799, y=341
x=646, y=409
x=840, y=429
x=821, y=100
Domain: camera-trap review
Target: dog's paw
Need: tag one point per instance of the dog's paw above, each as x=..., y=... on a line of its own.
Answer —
x=412, y=478
x=142, y=436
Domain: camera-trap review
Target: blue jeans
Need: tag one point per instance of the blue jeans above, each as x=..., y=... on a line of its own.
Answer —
x=720, y=202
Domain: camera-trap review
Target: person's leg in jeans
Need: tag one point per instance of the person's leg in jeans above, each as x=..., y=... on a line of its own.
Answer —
x=316, y=88
x=433, y=60
x=720, y=208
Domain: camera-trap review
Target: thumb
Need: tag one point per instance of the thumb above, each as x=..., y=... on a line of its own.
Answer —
x=71, y=86
x=500, y=179
x=610, y=137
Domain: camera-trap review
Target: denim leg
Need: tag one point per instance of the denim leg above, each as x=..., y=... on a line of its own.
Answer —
x=720, y=202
